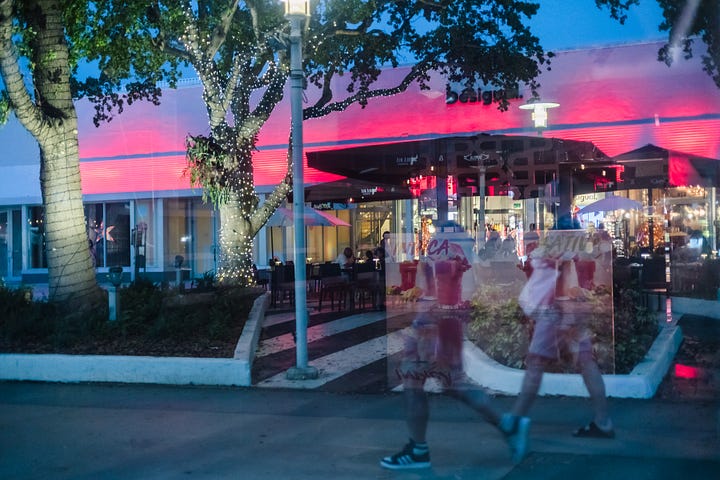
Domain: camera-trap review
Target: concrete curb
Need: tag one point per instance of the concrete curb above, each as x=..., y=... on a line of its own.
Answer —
x=642, y=382
x=696, y=306
x=135, y=369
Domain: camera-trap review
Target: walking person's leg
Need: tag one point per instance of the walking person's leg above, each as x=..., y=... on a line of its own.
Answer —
x=602, y=425
x=415, y=454
x=543, y=346
x=416, y=367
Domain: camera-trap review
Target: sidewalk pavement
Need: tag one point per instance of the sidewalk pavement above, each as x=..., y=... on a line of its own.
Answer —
x=81, y=431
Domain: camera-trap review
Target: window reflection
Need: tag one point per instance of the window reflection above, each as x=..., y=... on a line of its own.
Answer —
x=36, y=238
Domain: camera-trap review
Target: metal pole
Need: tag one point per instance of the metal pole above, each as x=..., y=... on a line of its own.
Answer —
x=301, y=371
x=481, y=208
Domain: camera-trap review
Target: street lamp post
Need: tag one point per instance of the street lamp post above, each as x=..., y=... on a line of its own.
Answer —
x=297, y=12
x=539, y=117
x=480, y=161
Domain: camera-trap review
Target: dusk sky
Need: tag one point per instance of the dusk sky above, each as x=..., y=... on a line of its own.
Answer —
x=568, y=24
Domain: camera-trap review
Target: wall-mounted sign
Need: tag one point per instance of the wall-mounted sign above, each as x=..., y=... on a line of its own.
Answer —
x=409, y=160
x=485, y=95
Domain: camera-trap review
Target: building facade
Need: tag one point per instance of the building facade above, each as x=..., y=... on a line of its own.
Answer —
x=140, y=205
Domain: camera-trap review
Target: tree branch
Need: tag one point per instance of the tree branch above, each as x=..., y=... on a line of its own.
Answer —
x=221, y=30
x=314, y=112
x=25, y=109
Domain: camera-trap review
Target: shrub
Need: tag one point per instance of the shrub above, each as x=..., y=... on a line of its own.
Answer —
x=635, y=328
x=153, y=321
x=499, y=327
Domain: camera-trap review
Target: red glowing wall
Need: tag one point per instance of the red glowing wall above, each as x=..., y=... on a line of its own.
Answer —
x=620, y=98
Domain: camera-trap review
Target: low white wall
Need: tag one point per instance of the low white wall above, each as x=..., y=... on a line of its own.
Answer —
x=135, y=369
x=696, y=306
x=642, y=382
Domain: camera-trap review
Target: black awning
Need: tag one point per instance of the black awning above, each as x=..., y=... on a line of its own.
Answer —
x=520, y=163
x=654, y=166
x=352, y=190
x=389, y=163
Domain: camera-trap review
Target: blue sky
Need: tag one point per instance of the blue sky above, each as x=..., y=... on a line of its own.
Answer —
x=568, y=24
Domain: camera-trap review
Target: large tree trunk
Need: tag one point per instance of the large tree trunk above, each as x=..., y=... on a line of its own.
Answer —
x=236, y=244
x=71, y=275
x=70, y=269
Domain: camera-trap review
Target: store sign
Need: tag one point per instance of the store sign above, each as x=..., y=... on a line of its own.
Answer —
x=460, y=94
x=370, y=191
x=407, y=161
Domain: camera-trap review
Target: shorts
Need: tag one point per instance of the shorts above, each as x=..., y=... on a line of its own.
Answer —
x=433, y=350
x=553, y=330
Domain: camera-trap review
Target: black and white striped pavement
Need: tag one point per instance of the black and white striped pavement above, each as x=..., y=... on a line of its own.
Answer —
x=350, y=351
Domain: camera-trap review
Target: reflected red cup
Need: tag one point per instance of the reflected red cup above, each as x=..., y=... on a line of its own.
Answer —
x=448, y=282
x=585, y=272
x=408, y=270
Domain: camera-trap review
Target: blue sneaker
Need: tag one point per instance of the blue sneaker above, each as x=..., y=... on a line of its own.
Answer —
x=517, y=433
x=407, y=459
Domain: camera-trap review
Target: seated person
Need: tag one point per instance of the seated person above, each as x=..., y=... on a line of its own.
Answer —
x=346, y=259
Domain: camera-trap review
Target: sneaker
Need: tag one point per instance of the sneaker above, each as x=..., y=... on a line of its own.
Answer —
x=407, y=459
x=517, y=431
x=591, y=430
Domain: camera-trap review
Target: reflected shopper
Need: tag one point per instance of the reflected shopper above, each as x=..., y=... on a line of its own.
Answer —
x=433, y=352
x=554, y=330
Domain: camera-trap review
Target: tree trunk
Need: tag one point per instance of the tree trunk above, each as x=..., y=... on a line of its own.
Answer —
x=71, y=275
x=236, y=244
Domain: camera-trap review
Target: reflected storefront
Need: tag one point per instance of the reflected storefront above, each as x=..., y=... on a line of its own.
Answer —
x=144, y=235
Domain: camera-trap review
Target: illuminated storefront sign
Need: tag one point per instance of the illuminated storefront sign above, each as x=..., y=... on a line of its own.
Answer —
x=484, y=95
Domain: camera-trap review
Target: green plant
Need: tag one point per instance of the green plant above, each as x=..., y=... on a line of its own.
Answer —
x=498, y=326
x=140, y=304
x=635, y=328
x=206, y=281
x=23, y=320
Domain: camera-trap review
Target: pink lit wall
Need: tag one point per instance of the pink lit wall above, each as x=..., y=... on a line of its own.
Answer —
x=620, y=98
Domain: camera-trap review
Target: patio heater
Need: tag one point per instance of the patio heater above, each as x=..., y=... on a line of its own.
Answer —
x=298, y=12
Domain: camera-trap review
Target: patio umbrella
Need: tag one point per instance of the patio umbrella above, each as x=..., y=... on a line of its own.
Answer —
x=610, y=204
x=283, y=217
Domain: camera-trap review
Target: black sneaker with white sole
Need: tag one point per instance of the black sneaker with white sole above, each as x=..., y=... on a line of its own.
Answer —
x=407, y=459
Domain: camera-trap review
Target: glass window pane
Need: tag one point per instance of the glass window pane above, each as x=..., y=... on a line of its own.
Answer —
x=145, y=222
x=36, y=238
x=117, y=234
x=94, y=221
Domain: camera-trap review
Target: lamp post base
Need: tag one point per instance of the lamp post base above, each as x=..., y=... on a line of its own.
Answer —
x=298, y=373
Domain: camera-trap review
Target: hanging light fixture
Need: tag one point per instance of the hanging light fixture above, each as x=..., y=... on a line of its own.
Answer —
x=539, y=111
x=300, y=8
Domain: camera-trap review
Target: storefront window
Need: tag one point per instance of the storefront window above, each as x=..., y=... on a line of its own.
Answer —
x=36, y=238
x=108, y=227
x=4, y=241
x=145, y=236
x=189, y=231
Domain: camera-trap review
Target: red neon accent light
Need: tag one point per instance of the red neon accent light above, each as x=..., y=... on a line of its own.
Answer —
x=687, y=372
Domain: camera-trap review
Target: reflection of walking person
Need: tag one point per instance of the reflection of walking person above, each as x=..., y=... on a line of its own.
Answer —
x=553, y=329
x=433, y=351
